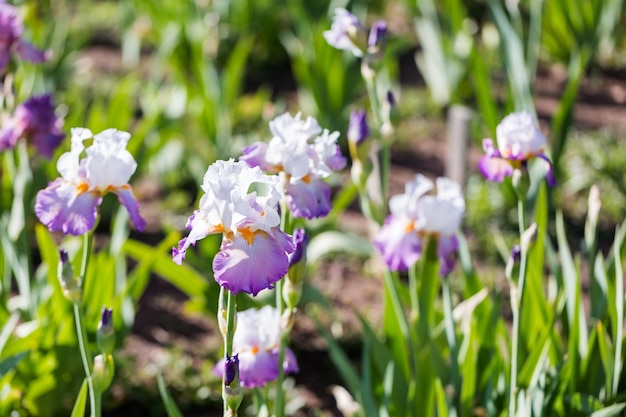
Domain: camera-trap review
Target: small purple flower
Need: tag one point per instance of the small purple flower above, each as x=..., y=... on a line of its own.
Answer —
x=70, y=203
x=518, y=141
x=11, y=31
x=416, y=214
x=256, y=343
x=378, y=35
x=303, y=154
x=254, y=252
x=35, y=121
x=346, y=33
x=358, y=129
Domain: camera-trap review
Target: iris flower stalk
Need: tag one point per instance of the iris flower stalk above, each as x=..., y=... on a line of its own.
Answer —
x=518, y=141
x=348, y=33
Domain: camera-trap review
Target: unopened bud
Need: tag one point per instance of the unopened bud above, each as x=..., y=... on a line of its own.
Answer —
x=70, y=283
x=232, y=394
x=103, y=371
x=106, y=333
x=358, y=130
x=231, y=369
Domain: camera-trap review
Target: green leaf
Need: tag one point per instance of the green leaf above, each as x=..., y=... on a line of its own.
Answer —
x=170, y=406
x=572, y=286
x=11, y=362
x=81, y=401
x=610, y=411
x=332, y=242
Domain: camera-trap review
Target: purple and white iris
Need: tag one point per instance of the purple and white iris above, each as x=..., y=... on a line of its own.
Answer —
x=347, y=33
x=518, y=141
x=70, y=203
x=304, y=155
x=35, y=121
x=11, y=31
x=417, y=214
x=256, y=343
x=241, y=203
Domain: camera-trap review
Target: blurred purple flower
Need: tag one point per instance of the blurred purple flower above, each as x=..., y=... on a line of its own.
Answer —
x=518, y=141
x=70, y=203
x=346, y=33
x=256, y=343
x=416, y=214
x=11, y=31
x=305, y=154
x=35, y=121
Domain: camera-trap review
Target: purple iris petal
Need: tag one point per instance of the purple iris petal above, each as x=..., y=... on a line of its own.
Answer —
x=252, y=267
x=254, y=156
x=309, y=199
x=29, y=52
x=60, y=208
x=398, y=249
x=179, y=253
x=35, y=121
x=8, y=136
x=126, y=197
x=300, y=240
x=11, y=31
x=494, y=168
x=550, y=174
x=446, y=249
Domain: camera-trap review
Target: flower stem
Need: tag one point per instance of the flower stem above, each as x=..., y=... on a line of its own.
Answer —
x=94, y=398
x=231, y=394
x=516, y=296
x=79, y=318
x=279, y=404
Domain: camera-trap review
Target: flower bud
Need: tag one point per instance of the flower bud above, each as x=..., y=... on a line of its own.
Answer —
x=232, y=394
x=106, y=333
x=70, y=283
x=103, y=371
x=512, y=265
x=358, y=129
x=377, y=37
x=390, y=114
x=231, y=369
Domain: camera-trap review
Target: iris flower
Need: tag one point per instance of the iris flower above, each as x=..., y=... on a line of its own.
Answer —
x=518, y=141
x=417, y=214
x=70, y=203
x=304, y=155
x=240, y=203
x=35, y=121
x=256, y=343
x=11, y=31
